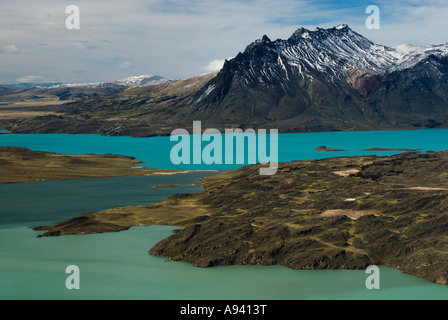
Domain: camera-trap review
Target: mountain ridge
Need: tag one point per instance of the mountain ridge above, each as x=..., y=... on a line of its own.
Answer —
x=77, y=91
x=306, y=68
x=324, y=80
x=129, y=82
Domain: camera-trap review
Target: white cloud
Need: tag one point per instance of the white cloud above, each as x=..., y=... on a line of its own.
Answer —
x=125, y=65
x=29, y=79
x=416, y=22
x=79, y=45
x=214, y=65
x=9, y=48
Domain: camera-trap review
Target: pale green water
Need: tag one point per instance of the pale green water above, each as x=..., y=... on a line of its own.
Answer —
x=117, y=266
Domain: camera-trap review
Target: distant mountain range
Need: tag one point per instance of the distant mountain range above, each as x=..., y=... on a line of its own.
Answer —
x=130, y=82
x=323, y=80
x=24, y=86
x=79, y=91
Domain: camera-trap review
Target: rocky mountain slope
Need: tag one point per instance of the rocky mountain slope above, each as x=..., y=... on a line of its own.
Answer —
x=330, y=79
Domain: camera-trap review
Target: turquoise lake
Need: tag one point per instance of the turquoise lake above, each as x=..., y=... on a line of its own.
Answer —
x=117, y=266
x=156, y=151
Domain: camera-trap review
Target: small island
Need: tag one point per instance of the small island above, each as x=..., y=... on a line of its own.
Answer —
x=325, y=149
x=166, y=186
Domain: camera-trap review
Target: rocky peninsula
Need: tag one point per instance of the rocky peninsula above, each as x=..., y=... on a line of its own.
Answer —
x=19, y=165
x=337, y=213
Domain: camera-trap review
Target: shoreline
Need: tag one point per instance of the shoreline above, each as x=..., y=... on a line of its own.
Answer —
x=167, y=133
x=316, y=214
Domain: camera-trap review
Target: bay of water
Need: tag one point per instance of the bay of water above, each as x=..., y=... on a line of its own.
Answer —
x=117, y=265
x=54, y=201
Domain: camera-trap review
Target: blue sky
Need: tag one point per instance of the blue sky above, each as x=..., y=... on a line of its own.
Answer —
x=182, y=38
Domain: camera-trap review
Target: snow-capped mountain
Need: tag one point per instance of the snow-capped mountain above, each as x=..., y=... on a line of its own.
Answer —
x=82, y=91
x=130, y=82
x=318, y=76
x=333, y=53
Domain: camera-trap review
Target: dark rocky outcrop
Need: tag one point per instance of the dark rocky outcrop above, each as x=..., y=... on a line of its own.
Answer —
x=338, y=213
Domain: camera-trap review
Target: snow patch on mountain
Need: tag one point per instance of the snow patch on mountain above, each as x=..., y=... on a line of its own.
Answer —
x=409, y=55
x=130, y=82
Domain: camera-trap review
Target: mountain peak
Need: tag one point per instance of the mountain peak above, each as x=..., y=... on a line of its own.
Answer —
x=303, y=33
x=142, y=80
x=265, y=38
x=299, y=33
x=342, y=26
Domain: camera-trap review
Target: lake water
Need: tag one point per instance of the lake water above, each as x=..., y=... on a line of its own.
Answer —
x=50, y=201
x=117, y=266
x=156, y=151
